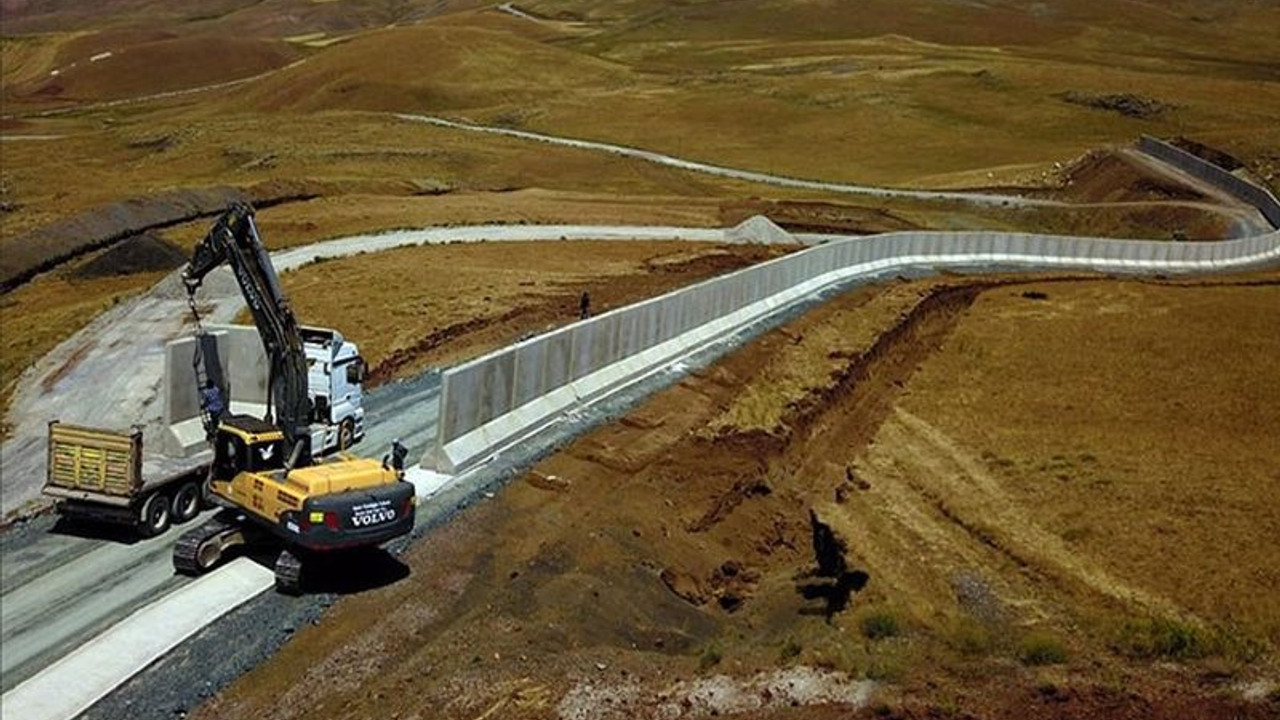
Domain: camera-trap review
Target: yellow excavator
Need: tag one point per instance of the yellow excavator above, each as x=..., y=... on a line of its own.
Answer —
x=264, y=475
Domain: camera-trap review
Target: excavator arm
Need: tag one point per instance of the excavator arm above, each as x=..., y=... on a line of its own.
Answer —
x=234, y=240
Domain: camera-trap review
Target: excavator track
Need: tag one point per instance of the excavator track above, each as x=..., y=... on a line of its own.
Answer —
x=200, y=548
x=288, y=573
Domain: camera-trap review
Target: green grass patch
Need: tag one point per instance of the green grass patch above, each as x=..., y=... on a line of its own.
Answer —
x=1162, y=638
x=710, y=658
x=880, y=624
x=791, y=650
x=971, y=639
x=1041, y=649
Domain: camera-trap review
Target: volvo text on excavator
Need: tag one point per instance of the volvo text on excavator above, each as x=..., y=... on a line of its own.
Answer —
x=271, y=485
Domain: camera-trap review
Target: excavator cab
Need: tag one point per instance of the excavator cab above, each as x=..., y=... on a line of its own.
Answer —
x=246, y=444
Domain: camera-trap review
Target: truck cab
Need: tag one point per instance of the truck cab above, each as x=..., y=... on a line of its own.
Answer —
x=335, y=372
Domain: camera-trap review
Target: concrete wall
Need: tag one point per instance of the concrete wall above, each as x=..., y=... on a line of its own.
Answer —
x=496, y=400
x=1191, y=164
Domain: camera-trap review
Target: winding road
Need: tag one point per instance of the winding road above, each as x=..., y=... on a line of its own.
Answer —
x=61, y=590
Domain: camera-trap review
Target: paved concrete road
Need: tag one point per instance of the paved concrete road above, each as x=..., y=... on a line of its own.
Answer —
x=60, y=590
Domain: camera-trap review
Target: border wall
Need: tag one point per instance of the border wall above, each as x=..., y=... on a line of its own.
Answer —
x=493, y=402
x=1196, y=166
x=496, y=400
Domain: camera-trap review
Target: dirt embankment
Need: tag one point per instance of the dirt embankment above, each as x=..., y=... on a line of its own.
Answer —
x=764, y=539
x=1105, y=176
x=817, y=217
x=24, y=256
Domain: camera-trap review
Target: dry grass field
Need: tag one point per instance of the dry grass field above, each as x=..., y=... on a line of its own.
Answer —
x=964, y=497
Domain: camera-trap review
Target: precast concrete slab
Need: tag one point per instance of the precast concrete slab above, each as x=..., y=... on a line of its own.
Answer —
x=71, y=685
x=426, y=482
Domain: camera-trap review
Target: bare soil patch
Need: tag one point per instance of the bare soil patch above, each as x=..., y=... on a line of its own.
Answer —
x=1106, y=176
x=836, y=495
x=1126, y=104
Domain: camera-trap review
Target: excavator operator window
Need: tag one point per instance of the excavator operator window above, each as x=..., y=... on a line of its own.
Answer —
x=235, y=456
x=267, y=455
x=229, y=456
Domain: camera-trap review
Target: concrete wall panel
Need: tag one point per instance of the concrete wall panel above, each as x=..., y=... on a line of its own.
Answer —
x=242, y=358
x=484, y=390
x=460, y=400
x=531, y=363
x=496, y=387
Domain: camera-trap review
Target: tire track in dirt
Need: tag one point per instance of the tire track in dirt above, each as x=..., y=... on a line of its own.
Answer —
x=937, y=494
x=965, y=494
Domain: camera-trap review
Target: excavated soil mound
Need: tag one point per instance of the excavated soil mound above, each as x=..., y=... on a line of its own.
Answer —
x=140, y=253
x=23, y=256
x=1105, y=176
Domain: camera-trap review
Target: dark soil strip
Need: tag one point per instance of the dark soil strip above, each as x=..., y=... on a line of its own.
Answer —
x=399, y=359
x=25, y=256
x=872, y=381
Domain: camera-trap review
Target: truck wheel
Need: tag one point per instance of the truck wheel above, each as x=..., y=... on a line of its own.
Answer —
x=154, y=518
x=186, y=502
x=346, y=434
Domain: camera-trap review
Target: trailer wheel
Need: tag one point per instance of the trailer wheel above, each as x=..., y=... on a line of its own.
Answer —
x=346, y=434
x=186, y=502
x=154, y=518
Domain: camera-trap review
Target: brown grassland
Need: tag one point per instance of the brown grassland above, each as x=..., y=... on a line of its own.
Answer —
x=969, y=497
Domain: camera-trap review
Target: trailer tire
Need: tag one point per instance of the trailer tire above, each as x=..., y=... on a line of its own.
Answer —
x=154, y=518
x=346, y=435
x=187, y=501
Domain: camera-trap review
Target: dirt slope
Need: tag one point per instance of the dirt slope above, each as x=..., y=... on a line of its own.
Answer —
x=815, y=524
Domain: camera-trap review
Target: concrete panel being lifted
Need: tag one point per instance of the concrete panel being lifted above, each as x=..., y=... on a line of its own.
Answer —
x=244, y=363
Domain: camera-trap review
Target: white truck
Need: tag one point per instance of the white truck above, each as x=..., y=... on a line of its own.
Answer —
x=109, y=475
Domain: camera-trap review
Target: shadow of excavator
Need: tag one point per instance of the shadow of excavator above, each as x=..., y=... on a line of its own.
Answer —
x=832, y=582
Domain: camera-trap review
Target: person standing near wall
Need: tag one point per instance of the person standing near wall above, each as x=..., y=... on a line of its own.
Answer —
x=584, y=306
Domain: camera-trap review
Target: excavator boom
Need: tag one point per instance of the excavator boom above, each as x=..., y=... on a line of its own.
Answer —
x=234, y=240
